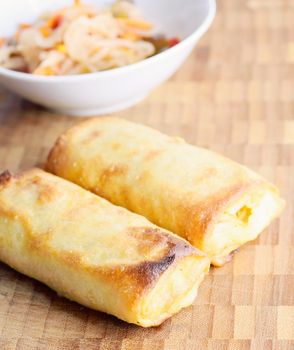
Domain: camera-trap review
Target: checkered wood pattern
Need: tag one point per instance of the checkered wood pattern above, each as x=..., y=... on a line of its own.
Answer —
x=234, y=95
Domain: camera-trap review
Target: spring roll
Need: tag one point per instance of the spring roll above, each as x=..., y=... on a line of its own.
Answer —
x=93, y=252
x=213, y=202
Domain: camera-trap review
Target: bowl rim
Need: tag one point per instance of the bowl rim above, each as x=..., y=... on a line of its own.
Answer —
x=207, y=21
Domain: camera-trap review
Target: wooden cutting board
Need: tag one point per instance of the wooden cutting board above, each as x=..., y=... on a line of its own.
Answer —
x=234, y=95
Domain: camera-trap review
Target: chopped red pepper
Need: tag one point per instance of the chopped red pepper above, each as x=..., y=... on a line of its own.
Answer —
x=173, y=42
x=55, y=22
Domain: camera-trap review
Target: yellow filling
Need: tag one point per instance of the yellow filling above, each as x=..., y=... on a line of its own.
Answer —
x=244, y=214
x=241, y=223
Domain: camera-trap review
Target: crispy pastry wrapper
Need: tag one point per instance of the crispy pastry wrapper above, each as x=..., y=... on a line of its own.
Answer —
x=93, y=252
x=213, y=202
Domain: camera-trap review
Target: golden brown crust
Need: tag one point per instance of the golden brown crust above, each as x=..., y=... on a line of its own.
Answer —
x=141, y=276
x=180, y=187
x=62, y=224
x=56, y=154
x=5, y=177
x=203, y=216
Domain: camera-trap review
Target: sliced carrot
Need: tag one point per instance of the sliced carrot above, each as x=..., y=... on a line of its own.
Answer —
x=2, y=41
x=138, y=24
x=48, y=71
x=44, y=71
x=45, y=31
x=130, y=36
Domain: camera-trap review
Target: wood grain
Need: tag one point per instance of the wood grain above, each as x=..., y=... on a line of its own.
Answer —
x=234, y=95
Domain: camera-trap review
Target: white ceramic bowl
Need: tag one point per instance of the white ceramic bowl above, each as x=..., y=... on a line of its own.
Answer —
x=116, y=89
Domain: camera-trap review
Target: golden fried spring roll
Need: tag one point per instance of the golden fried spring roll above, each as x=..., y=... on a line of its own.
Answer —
x=213, y=202
x=94, y=252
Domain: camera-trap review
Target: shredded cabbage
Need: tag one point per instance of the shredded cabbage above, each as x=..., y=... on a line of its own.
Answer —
x=80, y=38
